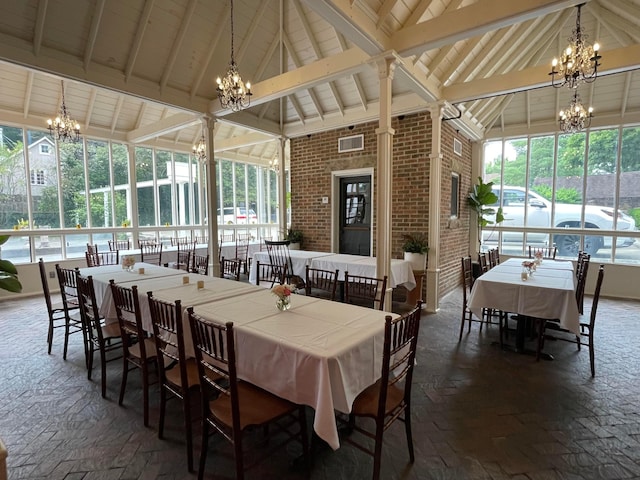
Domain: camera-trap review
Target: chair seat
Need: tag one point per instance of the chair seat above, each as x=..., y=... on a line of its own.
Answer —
x=366, y=404
x=257, y=406
x=173, y=374
x=111, y=330
x=150, y=349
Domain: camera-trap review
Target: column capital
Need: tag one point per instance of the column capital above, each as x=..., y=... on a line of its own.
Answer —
x=383, y=131
x=436, y=110
x=386, y=66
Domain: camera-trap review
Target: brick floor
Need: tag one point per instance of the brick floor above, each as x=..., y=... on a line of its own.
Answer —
x=478, y=412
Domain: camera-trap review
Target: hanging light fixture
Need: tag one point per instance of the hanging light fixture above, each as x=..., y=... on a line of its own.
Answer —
x=232, y=91
x=575, y=117
x=200, y=150
x=274, y=163
x=63, y=128
x=578, y=63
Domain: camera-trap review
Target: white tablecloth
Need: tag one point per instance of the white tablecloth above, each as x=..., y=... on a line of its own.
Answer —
x=549, y=293
x=318, y=353
x=299, y=260
x=401, y=270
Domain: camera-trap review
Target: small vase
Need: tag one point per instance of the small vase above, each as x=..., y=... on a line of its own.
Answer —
x=525, y=274
x=283, y=304
x=130, y=268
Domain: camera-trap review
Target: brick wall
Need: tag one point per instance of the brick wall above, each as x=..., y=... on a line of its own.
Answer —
x=314, y=157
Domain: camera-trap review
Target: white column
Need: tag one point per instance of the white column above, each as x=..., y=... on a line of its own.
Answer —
x=435, y=187
x=212, y=198
x=282, y=187
x=386, y=68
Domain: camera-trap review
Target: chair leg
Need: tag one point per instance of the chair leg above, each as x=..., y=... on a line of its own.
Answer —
x=103, y=372
x=592, y=356
x=66, y=338
x=541, y=322
x=377, y=450
x=123, y=383
x=462, y=325
x=145, y=392
x=186, y=404
x=407, y=428
x=50, y=335
x=237, y=453
x=90, y=361
x=204, y=446
x=163, y=407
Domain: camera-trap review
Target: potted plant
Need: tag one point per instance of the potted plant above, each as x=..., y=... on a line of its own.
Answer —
x=479, y=199
x=295, y=238
x=8, y=273
x=415, y=249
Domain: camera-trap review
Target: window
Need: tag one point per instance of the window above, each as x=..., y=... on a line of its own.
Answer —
x=44, y=149
x=455, y=195
x=37, y=177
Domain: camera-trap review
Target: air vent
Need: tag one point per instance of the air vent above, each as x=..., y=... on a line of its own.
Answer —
x=457, y=147
x=351, y=144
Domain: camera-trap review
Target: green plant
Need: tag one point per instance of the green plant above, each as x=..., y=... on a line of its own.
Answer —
x=480, y=198
x=415, y=243
x=294, y=236
x=8, y=273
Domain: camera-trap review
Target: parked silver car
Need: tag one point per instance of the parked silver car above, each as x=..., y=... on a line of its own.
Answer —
x=566, y=215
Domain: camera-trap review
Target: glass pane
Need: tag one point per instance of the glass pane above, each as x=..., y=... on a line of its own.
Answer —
x=76, y=245
x=99, y=183
x=73, y=184
x=252, y=192
x=164, y=176
x=628, y=249
x=226, y=192
x=242, y=212
x=144, y=183
x=13, y=187
x=183, y=178
x=44, y=191
x=17, y=249
x=120, y=160
x=48, y=246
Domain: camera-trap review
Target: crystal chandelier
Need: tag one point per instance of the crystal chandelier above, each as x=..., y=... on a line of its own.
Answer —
x=578, y=63
x=200, y=150
x=232, y=91
x=575, y=117
x=63, y=128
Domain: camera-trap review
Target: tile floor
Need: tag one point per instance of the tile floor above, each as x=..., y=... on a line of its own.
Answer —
x=478, y=412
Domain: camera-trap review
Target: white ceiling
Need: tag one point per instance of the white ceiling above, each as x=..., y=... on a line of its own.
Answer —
x=144, y=70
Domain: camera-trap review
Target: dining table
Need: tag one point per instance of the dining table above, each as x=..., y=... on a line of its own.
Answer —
x=401, y=270
x=318, y=353
x=549, y=293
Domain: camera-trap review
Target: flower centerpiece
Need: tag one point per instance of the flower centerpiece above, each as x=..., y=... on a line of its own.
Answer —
x=528, y=267
x=538, y=256
x=128, y=261
x=283, y=292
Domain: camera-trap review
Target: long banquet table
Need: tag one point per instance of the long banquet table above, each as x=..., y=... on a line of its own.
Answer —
x=549, y=293
x=318, y=353
x=401, y=271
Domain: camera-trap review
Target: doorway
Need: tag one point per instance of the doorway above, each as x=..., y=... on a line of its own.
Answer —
x=354, y=215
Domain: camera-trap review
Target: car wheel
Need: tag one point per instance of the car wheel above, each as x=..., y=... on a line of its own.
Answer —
x=568, y=245
x=592, y=244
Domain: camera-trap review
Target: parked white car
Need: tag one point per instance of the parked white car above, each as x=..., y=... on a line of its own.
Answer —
x=566, y=215
x=241, y=216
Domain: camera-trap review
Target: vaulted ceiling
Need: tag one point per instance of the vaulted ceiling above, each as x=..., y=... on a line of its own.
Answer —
x=144, y=70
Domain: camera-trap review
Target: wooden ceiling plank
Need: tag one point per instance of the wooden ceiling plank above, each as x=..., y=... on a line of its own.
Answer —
x=475, y=19
x=417, y=13
x=354, y=78
x=618, y=60
x=93, y=32
x=213, y=46
x=296, y=106
x=89, y=112
x=253, y=27
x=141, y=112
x=625, y=93
x=28, y=90
x=137, y=42
x=116, y=113
x=296, y=61
x=487, y=52
x=38, y=32
x=384, y=11
x=460, y=59
x=177, y=44
x=163, y=127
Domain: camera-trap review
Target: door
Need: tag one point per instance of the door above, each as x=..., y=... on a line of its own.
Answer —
x=355, y=215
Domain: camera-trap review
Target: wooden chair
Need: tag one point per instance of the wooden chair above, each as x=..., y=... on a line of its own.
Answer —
x=56, y=312
x=547, y=252
x=320, y=283
x=230, y=406
x=242, y=253
x=230, y=268
x=199, y=264
x=151, y=253
x=483, y=261
x=73, y=322
x=269, y=274
x=552, y=329
x=119, y=245
x=467, y=316
x=494, y=257
x=278, y=251
x=92, y=248
x=389, y=399
x=202, y=240
x=102, y=258
x=177, y=241
x=366, y=291
x=138, y=348
x=100, y=337
x=178, y=374
x=185, y=251
x=582, y=269
x=227, y=237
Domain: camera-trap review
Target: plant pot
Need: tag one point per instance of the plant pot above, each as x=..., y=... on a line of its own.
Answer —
x=418, y=260
x=294, y=246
